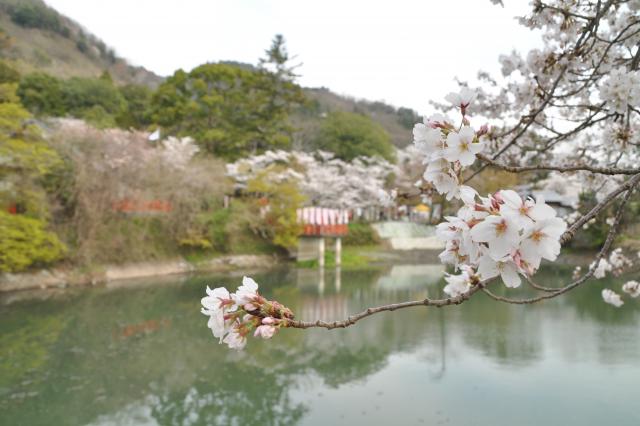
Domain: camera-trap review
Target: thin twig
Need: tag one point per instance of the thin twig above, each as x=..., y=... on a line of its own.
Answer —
x=438, y=303
x=563, y=169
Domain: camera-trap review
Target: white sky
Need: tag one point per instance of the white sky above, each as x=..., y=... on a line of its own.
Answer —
x=404, y=52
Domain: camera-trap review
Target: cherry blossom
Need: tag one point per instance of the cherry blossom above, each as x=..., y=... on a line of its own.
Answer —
x=232, y=316
x=632, y=288
x=524, y=212
x=235, y=340
x=612, y=298
x=324, y=180
x=506, y=268
x=501, y=234
x=458, y=284
x=460, y=147
x=621, y=90
x=265, y=331
x=462, y=99
x=246, y=293
x=541, y=240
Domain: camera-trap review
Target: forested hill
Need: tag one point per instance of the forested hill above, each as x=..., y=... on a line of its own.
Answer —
x=36, y=38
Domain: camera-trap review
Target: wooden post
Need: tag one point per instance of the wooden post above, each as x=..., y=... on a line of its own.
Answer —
x=321, y=281
x=321, y=252
x=338, y=251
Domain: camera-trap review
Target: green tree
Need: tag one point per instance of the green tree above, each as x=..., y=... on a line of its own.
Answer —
x=38, y=15
x=283, y=94
x=8, y=74
x=41, y=94
x=24, y=241
x=81, y=94
x=225, y=108
x=350, y=135
x=231, y=110
x=136, y=113
x=26, y=164
x=279, y=220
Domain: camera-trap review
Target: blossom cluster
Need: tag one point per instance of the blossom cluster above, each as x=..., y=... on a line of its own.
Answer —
x=616, y=264
x=498, y=235
x=621, y=89
x=324, y=179
x=632, y=288
x=233, y=316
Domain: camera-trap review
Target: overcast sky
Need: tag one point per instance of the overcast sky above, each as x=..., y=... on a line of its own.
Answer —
x=404, y=52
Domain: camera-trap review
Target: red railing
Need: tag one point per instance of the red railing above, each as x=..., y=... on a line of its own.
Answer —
x=136, y=206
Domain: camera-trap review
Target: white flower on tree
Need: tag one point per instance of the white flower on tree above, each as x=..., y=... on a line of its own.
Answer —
x=632, y=288
x=233, y=316
x=506, y=268
x=541, y=240
x=215, y=305
x=500, y=233
x=621, y=90
x=462, y=99
x=570, y=108
x=612, y=298
x=460, y=147
x=325, y=180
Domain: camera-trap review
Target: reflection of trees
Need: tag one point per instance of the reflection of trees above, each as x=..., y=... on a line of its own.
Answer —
x=177, y=373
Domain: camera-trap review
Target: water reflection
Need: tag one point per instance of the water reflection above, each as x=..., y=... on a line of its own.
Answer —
x=142, y=355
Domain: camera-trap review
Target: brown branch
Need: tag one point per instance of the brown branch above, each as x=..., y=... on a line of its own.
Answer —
x=629, y=184
x=438, y=303
x=592, y=169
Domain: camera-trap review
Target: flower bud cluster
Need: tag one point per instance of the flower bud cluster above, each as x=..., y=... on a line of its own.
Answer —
x=233, y=316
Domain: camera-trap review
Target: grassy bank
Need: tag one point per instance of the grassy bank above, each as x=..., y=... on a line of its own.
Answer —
x=353, y=257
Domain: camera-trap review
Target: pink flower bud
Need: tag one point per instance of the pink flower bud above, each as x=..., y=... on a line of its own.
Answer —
x=269, y=321
x=250, y=307
x=265, y=331
x=484, y=129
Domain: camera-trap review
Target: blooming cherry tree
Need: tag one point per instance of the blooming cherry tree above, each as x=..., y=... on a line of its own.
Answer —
x=572, y=109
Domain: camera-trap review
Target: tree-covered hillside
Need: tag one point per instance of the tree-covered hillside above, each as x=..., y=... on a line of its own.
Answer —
x=34, y=38
x=38, y=38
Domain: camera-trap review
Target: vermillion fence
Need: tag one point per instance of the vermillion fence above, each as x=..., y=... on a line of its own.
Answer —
x=323, y=222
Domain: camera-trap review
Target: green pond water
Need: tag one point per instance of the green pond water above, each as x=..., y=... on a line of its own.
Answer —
x=142, y=355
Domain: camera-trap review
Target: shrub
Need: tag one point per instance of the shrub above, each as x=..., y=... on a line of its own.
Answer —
x=277, y=208
x=8, y=74
x=42, y=94
x=24, y=242
x=361, y=234
x=218, y=230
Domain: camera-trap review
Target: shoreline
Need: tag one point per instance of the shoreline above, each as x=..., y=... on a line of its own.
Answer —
x=64, y=278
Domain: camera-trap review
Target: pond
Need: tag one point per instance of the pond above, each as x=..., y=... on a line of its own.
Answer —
x=142, y=355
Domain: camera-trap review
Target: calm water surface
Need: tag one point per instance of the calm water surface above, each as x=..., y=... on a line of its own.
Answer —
x=142, y=355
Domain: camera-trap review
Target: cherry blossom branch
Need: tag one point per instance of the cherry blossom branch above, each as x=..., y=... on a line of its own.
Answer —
x=438, y=303
x=627, y=186
x=594, y=266
x=565, y=169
